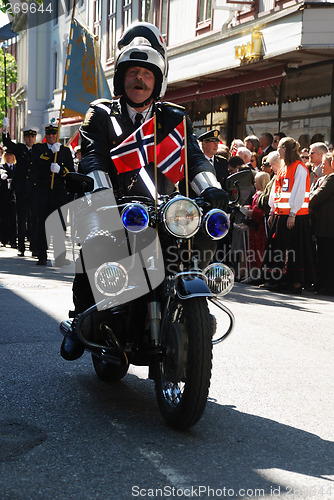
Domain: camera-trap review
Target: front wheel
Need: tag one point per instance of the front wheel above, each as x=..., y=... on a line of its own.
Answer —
x=183, y=375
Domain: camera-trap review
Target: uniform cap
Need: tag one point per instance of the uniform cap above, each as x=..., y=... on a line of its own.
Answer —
x=51, y=128
x=30, y=130
x=211, y=136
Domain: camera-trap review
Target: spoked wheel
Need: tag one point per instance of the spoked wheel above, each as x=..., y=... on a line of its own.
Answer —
x=109, y=372
x=183, y=376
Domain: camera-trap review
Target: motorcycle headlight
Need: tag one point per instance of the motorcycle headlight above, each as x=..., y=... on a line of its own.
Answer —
x=216, y=223
x=220, y=278
x=135, y=217
x=111, y=278
x=181, y=217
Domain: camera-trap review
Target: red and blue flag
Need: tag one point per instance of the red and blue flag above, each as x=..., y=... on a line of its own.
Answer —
x=138, y=151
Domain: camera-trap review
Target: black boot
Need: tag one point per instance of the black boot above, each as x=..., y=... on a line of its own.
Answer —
x=71, y=347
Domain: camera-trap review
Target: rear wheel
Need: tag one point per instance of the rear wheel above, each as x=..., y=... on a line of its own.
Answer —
x=183, y=376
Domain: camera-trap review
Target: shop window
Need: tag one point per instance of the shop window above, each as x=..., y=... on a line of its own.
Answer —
x=308, y=130
x=126, y=13
x=157, y=13
x=306, y=102
x=97, y=18
x=248, y=13
x=204, y=16
x=111, y=28
x=307, y=83
x=260, y=127
x=258, y=111
x=208, y=114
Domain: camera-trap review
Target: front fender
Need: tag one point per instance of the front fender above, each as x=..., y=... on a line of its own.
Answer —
x=189, y=285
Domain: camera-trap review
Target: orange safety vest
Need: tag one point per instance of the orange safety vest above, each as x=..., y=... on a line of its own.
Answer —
x=283, y=186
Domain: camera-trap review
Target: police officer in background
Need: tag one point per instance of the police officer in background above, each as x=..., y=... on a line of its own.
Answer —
x=23, y=154
x=140, y=80
x=210, y=141
x=48, y=189
x=7, y=199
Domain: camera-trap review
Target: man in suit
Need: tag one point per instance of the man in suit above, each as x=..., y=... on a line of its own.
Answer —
x=210, y=141
x=266, y=141
x=23, y=154
x=48, y=188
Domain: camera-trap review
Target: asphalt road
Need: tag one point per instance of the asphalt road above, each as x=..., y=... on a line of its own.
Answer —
x=267, y=431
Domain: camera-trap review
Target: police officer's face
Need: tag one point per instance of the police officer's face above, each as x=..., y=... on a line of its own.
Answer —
x=138, y=83
x=210, y=148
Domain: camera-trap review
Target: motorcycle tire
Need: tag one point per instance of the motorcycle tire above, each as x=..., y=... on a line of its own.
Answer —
x=183, y=376
x=109, y=372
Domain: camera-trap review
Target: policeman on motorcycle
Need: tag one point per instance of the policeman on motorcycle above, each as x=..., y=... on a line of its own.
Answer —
x=140, y=80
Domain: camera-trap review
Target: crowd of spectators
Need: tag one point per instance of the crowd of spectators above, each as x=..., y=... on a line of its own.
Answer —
x=282, y=229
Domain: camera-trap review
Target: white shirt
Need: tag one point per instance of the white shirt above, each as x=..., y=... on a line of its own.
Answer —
x=211, y=160
x=147, y=113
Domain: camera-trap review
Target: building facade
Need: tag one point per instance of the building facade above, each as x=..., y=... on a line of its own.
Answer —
x=245, y=68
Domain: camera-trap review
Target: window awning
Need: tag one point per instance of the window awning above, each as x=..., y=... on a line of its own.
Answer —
x=224, y=86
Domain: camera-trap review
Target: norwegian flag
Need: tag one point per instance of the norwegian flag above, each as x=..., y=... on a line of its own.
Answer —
x=135, y=151
x=73, y=142
x=138, y=151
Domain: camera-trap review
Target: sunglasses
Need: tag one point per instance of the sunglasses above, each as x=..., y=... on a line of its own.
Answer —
x=305, y=157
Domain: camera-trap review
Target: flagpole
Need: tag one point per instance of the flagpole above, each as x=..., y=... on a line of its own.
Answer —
x=186, y=177
x=155, y=162
x=61, y=111
x=156, y=181
x=98, y=67
x=95, y=66
x=185, y=156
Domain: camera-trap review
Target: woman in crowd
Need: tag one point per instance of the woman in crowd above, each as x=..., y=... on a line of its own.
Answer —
x=291, y=256
x=255, y=161
x=257, y=231
x=322, y=204
x=274, y=161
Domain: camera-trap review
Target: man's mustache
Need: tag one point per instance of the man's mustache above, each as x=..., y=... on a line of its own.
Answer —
x=137, y=83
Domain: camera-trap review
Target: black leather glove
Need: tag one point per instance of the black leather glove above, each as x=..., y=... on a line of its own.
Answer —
x=217, y=198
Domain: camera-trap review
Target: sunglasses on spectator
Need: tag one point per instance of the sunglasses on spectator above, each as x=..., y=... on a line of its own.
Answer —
x=266, y=164
x=305, y=157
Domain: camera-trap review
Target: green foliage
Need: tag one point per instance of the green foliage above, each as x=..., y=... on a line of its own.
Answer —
x=11, y=77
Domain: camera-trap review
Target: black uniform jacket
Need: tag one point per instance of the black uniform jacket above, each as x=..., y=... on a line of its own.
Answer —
x=6, y=192
x=23, y=163
x=99, y=135
x=41, y=176
x=220, y=166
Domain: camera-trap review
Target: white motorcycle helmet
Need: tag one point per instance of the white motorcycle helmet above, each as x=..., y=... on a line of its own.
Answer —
x=142, y=45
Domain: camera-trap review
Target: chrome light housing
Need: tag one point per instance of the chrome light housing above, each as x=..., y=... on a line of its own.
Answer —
x=181, y=217
x=220, y=278
x=111, y=278
x=216, y=223
x=135, y=217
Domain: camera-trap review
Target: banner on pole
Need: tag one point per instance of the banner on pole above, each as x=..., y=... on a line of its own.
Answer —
x=85, y=80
